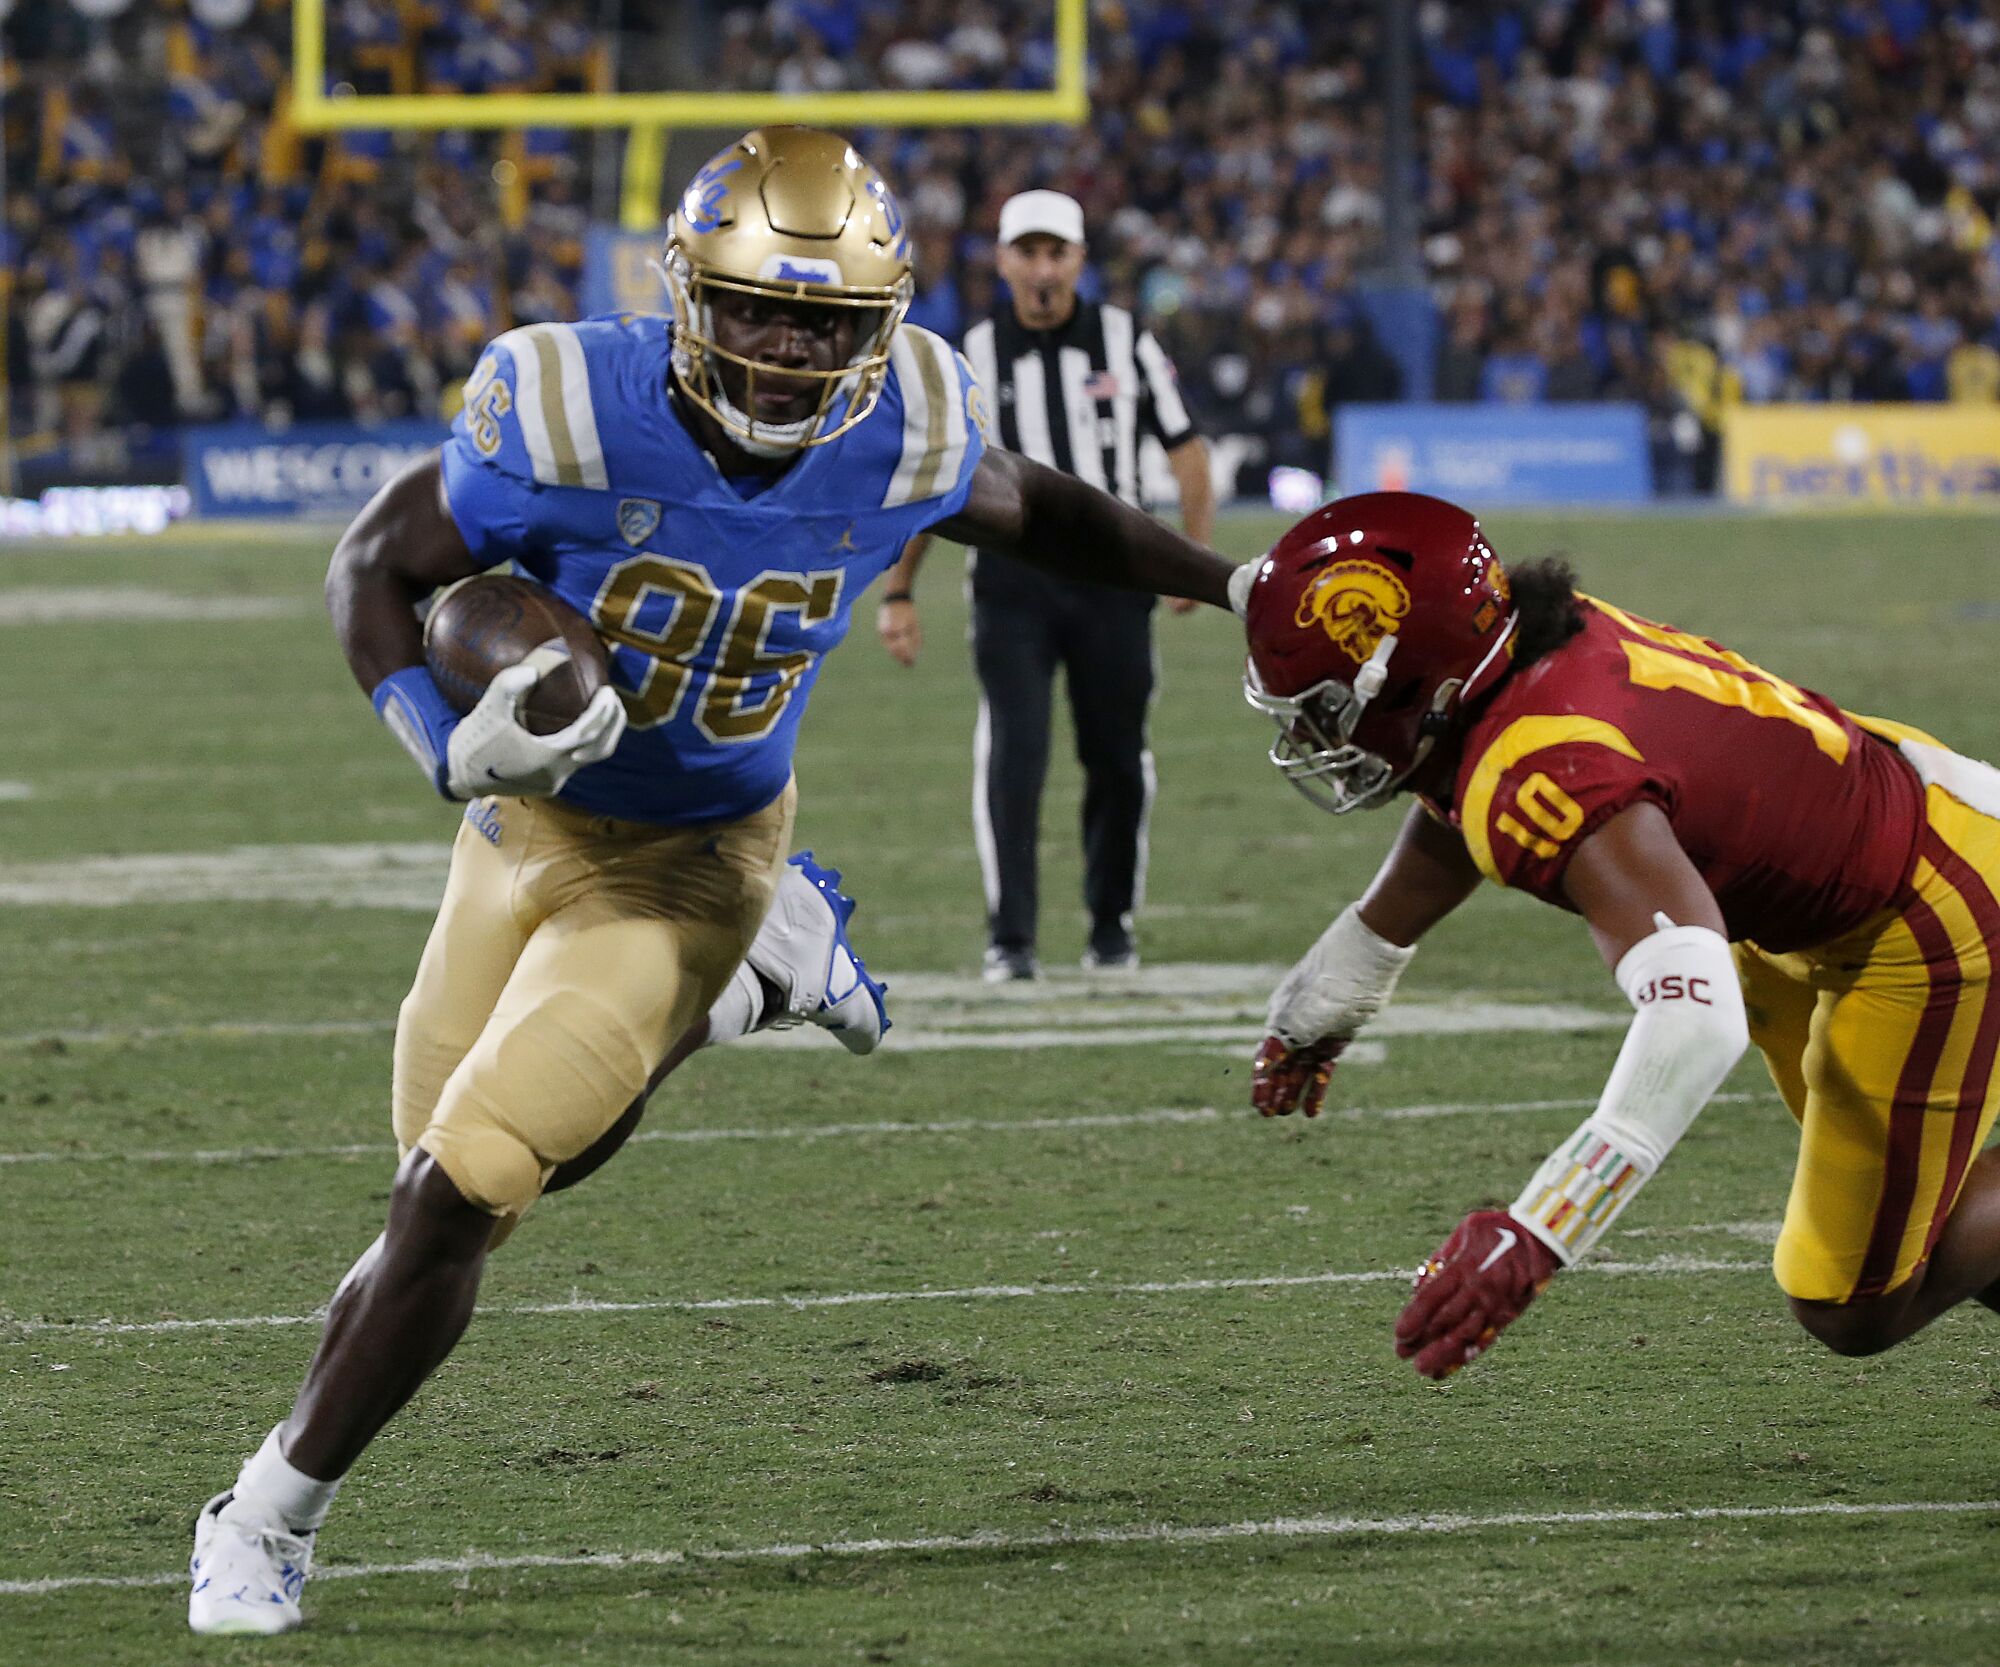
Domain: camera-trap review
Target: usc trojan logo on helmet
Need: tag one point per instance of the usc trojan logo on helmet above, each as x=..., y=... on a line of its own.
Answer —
x=1357, y=604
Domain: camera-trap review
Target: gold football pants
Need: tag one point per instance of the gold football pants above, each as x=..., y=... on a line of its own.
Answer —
x=571, y=951
x=1882, y=1044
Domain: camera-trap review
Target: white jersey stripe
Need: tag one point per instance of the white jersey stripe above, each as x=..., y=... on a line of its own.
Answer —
x=1125, y=406
x=1031, y=410
x=587, y=448
x=982, y=809
x=985, y=367
x=1167, y=405
x=529, y=410
x=944, y=462
x=1086, y=453
x=916, y=415
x=935, y=428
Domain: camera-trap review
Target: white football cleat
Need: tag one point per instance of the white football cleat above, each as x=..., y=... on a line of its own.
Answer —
x=802, y=951
x=248, y=1569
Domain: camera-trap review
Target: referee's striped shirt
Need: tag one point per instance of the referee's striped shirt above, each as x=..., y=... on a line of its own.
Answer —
x=1079, y=397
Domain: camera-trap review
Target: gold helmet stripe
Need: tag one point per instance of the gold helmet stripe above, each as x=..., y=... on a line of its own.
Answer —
x=934, y=426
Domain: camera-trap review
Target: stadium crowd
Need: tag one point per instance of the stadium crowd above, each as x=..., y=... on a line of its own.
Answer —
x=1681, y=202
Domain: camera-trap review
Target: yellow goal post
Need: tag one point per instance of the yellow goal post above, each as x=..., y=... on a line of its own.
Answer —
x=647, y=116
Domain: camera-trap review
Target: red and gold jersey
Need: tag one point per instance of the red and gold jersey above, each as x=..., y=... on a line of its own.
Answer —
x=1802, y=822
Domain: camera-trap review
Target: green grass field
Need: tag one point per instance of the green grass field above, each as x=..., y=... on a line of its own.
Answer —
x=1020, y=1342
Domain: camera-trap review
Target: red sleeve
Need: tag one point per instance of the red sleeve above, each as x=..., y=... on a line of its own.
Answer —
x=1540, y=788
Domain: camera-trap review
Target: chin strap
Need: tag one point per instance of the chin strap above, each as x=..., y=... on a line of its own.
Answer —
x=1369, y=679
x=748, y=434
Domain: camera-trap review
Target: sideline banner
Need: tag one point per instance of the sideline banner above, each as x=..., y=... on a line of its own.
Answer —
x=316, y=469
x=618, y=275
x=1484, y=455
x=1861, y=454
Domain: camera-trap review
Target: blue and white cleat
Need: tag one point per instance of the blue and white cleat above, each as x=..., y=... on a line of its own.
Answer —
x=802, y=951
x=248, y=1569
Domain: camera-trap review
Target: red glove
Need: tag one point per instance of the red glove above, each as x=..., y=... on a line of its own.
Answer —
x=1284, y=1080
x=1474, y=1288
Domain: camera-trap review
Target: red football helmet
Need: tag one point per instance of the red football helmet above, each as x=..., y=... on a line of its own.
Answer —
x=1372, y=624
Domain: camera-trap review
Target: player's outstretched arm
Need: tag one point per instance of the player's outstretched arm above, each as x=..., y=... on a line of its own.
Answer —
x=1659, y=929
x=402, y=546
x=1056, y=521
x=1347, y=977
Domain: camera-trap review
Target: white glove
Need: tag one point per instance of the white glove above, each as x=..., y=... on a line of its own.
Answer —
x=490, y=752
x=1341, y=983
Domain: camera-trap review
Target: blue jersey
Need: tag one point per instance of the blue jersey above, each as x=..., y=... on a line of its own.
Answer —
x=717, y=600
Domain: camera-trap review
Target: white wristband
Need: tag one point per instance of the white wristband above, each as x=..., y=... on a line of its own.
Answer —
x=1341, y=983
x=1580, y=1190
x=1689, y=1031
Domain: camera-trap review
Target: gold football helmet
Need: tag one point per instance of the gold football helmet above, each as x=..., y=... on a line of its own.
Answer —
x=795, y=213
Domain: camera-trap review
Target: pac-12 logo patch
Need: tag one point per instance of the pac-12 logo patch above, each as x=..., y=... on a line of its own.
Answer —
x=1357, y=604
x=638, y=520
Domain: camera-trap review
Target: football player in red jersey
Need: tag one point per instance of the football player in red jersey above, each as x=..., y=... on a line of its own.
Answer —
x=1753, y=863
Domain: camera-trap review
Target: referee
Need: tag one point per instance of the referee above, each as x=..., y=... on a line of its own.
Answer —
x=1075, y=385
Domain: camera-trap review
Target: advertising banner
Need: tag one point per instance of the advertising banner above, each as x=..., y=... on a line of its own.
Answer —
x=326, y=470
x=1485, y=455
x=618, y=275
x=1861, y=454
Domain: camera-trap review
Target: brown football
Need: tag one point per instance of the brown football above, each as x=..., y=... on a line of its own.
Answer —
x=493, y=620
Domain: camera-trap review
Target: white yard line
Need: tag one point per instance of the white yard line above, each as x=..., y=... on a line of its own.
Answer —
x=1462, y=1108
x=785, y=1132
x=1248, y=909
x=1001, y=1541
x=208, y=1029
x=410, y=876
x=1164, y=1115
x=63, y=604
x=921, y=1025
x=1757, y=1232
x=1672, y=1267
x=388, y=876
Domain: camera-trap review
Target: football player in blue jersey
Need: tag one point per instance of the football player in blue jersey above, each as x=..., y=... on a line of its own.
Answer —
x=714, y=493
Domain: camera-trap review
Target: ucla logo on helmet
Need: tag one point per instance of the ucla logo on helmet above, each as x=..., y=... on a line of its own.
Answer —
x=701, y=203
x=892, y=216
x=637, y=519
x=1357, y=604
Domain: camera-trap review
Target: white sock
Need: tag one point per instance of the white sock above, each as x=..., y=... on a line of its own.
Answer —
x=269, y=1479
x=738, y=1009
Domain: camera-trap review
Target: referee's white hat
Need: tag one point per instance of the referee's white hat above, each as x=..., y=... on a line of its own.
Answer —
x=1041, y=211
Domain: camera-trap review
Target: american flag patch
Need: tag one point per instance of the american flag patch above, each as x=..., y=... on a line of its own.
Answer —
x=1102, y=385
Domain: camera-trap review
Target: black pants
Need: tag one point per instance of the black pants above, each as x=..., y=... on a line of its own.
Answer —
x=1102, y=640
